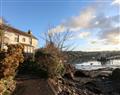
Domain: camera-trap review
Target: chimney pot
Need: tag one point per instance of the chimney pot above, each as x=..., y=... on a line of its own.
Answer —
x=29, y=32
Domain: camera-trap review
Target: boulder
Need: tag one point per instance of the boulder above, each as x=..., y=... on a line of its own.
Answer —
x=116, y=75
x=92, y=86
x=69, y=73
x=80, y=73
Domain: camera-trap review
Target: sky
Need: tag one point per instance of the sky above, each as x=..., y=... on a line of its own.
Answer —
x=95, y=24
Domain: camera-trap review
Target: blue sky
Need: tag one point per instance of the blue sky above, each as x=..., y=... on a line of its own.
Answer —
x=93, y=22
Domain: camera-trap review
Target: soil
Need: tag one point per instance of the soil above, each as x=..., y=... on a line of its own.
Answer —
x=27, y=85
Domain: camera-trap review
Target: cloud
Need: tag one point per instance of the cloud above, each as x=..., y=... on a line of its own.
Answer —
x=83, y=35
x=59, y=28
x=87, y=19
x=109, y=29
x=95, y=41
x=105, y=22
x=76, y=23
x=107, y=37
x=82, y=20
x=116, y=2
x=93, y=19
x=111, y=36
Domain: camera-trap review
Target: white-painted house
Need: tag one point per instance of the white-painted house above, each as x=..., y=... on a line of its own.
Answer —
x=15, y=36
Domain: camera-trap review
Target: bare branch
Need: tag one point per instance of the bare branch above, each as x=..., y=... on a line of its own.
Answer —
x=59, y=39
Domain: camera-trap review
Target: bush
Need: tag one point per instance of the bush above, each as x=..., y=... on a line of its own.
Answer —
x=50, y=60
x=7, y=86
x=32, y=68
x=9, y=62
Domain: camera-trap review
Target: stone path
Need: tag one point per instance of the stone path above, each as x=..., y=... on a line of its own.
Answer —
x=32, y=86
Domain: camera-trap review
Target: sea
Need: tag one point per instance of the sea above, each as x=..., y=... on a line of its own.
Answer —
x=93, y=65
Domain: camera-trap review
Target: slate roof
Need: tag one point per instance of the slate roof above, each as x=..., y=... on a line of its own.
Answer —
x=17, y=31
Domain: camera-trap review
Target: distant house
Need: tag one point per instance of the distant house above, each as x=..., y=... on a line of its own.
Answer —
x=12, y=35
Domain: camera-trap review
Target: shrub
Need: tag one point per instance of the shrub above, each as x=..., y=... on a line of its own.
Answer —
x=9, y=62
x=32, y=68
x=50, y=60
x=7, y=86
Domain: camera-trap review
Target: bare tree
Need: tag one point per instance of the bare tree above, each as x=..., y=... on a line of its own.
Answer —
x=59, y=39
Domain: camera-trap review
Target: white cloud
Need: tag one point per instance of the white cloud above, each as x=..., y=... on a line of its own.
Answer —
x=116, y=2
x=101, y=47
x=95, y=41
x=76, y=23
x=83, y=35
x=90, y=19
x=98, y=45
x=111, y=36
x=83, y=20
x=80, y=35
x=107, y=37
x=59, y=28
x=75, y=29
x=97, y=22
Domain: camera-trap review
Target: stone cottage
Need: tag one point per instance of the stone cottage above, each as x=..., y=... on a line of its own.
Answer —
x=12, y=35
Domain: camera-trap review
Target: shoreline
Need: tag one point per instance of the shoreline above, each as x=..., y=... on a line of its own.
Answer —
x=85, y=82
x=95, y=67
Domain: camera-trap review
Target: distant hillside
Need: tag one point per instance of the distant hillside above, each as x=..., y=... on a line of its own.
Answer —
x=79, y=56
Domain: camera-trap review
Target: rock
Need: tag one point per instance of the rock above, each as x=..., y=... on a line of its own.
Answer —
x=91, y=86
x=64, y=93
x=116, y=75
x=69, y=76
x=59, y=89
x=80, y=73
x=94, y=82
x=103, y=74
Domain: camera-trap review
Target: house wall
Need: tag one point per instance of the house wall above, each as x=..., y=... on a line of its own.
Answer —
x=35, y=43
x=28, y=46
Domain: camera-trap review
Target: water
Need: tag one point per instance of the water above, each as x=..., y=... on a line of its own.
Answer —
x=92, y=65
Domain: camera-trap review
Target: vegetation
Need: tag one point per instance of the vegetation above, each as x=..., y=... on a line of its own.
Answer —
x=50, y=60
x=59, y=39
x=30, y=67
x=9, y=62
x=80, y=56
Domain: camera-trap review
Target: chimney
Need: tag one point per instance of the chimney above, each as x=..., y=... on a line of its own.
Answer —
x=1, y=21
x=29, y=32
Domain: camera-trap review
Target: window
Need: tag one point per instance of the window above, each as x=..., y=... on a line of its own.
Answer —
x=25, y=49
x=23, y=39
x=30, y=40
x=16, y=39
